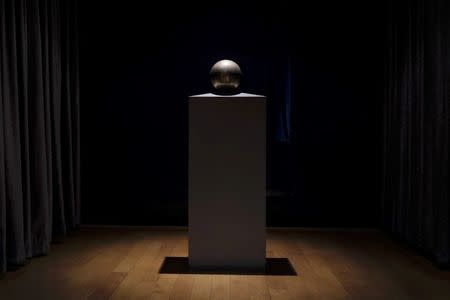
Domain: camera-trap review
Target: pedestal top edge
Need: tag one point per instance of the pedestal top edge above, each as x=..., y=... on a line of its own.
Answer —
x=240, y=95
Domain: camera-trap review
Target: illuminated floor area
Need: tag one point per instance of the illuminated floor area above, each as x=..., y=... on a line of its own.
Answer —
x=125, y=264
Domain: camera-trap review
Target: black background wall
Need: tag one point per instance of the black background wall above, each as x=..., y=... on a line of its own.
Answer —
x=140, y=62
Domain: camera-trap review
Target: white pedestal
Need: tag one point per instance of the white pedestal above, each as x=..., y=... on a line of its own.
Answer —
x=227, y=181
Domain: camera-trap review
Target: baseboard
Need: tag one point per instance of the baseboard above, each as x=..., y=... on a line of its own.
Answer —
x=269, y=229
x=134, y=227
x=337, y=229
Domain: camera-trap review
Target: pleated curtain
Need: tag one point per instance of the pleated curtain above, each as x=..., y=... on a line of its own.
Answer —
x=39, y=126
x=416, y=126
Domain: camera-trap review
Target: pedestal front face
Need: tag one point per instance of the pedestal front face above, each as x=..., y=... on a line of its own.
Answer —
x=227, y=181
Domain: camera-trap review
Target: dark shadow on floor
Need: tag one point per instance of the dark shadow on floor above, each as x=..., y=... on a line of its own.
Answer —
x=274, y=266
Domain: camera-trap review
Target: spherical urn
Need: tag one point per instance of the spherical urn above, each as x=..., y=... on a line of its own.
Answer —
x=226, y=77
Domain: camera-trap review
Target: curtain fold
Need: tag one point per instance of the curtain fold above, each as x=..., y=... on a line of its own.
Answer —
x=39, y=126
x=415, y=192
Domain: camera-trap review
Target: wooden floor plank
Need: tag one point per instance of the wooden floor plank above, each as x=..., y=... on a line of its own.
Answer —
x=220, y=289
x=202, y=287
x=124, y=264
x=129, y=286
x=239, y=287
x=182, y=289
x=277, y=288
x=163, y=287
x=257, y=287
x=107, y=287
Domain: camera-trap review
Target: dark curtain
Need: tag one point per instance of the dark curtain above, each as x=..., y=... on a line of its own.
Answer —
x=416, y=126
x=39, y=126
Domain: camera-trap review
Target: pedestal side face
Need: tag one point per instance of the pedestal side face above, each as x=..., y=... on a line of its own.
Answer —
x=227, y=182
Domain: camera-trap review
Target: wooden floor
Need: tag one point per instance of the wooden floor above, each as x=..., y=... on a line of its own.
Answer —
x=124, y=264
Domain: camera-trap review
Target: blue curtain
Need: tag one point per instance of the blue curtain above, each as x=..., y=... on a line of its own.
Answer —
x=284, y=117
